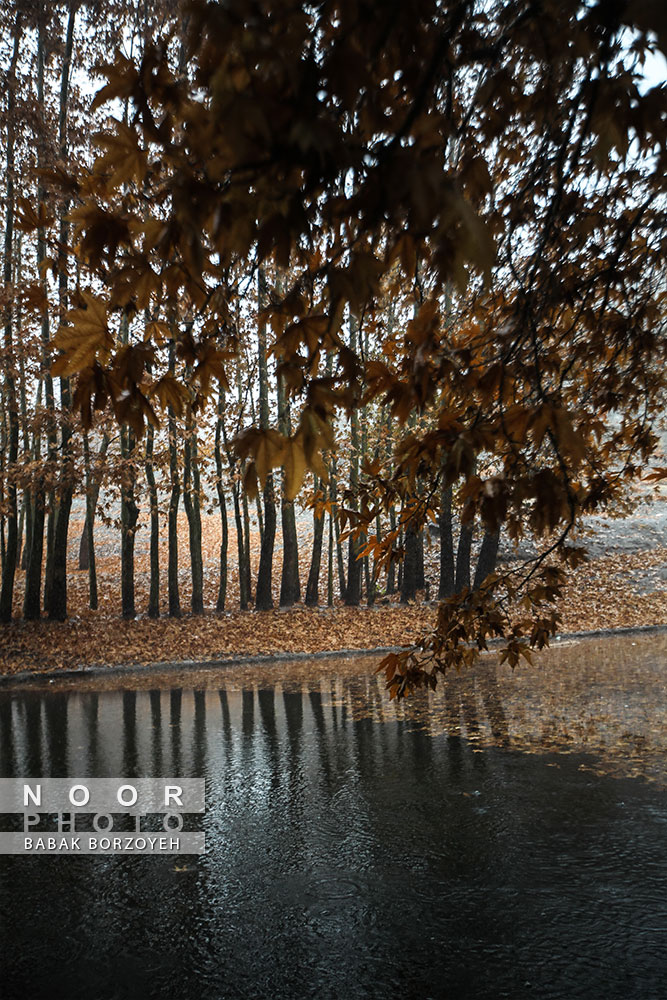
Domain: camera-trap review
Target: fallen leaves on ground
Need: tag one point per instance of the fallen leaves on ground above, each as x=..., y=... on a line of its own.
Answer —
x=600, y=594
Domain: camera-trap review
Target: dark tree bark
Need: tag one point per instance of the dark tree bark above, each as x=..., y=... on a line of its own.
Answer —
x=446, y=586
x=463, y=556
x=174, y=498
x=129, y=515
x=353, y=589
x=340, y=564
x=11, y=544
x=222, y=505
x=244, y=596
x=245, y=565
x=33, y=576
x=263, y=595
x=92, y=493
x=290, y=586
x=313, y=585
x=391, y=571
x=191, y=500
x=154, y=585
x=486, y=562
x=330, y=572
x=57, y=579
x=93, y=485
x=421, y=580
x=410, y=565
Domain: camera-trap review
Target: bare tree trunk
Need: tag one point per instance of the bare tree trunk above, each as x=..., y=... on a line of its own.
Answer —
x=409, y=577
x=245, y=568
x=57, y=603
x=92, y=493
x=174, y=496
x=191, y=500
x=154, y=585
x=313, y=586
x=129, y=515
x=342, y=585
x=446, y=584
x=263, y=595
x=391, y=571
x=11, y=545
x=486, y=562
x=93, y=485
x=463, y=556
x=330, y=575
x=290, y=587
x=353, y=589
x=240, y=547
x=222, y=504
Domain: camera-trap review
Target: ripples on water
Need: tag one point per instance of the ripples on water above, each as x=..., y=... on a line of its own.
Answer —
x=446, y=848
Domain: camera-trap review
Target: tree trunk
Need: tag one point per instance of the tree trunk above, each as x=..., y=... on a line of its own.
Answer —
x=245, y=566
x=421, y=580
x=353, y=589
x=330, y=576
x=446, y=586
x=222, y=503
x=174, y=497
x=264, y=595
x=240, y=548
x=92, y=493
x=290, y=587
x=191, y=500
x=391, y=570
x=93, y=485
x=52, y=449
x=342, y=585
x=57, y=603
x=463, y=556
x=154, y=585
x=486, y=563
x=129, y=515
x=313, y=586
x=410, y=563
x=11, y=544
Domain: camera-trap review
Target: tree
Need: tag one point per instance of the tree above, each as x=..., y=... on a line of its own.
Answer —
x=504, y=152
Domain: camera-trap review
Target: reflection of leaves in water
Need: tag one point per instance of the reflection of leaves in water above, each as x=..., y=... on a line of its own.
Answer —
x=604, y=697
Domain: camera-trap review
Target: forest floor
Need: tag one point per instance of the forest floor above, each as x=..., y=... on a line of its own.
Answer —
x=624, y=584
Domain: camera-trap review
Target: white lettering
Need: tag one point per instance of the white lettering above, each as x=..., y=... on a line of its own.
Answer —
x=30, y=819
x=85, y=798
x=103, y=816
x=178, y=825
x=66, y=820
x=133, y=795
x=173, y=793
x=35, y=796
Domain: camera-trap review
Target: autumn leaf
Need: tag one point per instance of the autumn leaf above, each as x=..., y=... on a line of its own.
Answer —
x=84, y=338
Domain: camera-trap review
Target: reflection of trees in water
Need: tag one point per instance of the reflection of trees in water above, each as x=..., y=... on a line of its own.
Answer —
x=7, y=742
x=130, y=764
x=56, y=734
x=582, y=698
x=464, y=706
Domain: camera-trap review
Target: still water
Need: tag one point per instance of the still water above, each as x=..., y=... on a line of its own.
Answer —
x=505, y=837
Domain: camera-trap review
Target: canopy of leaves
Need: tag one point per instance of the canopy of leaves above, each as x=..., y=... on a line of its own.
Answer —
x=500, y=165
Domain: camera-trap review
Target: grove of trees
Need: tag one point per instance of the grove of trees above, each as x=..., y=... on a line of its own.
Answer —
x=391, y=269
